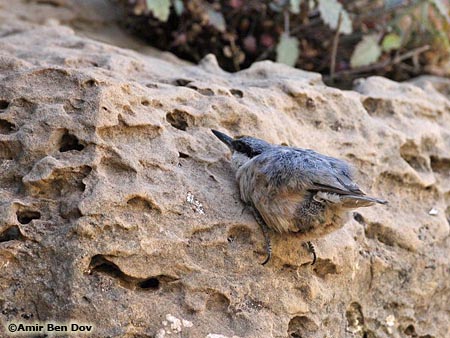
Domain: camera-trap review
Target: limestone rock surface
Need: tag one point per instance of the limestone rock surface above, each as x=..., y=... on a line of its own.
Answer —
x=118, y=206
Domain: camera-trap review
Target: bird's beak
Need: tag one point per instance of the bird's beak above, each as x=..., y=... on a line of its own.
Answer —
x=224, y=138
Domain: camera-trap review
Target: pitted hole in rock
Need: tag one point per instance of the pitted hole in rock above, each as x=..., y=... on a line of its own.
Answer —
x=447, y=214
x=218, y=302
x=70, y=142
x=69, y=182
x=11, y=234
x=182, y=82
x=203, y=91
x=145, y=102
x=26, y=216
x=73, y=105
x=440, y=165
x=375, y=230
x=324, y=267
x=150, y=284
x=179, y=119
x=410, y=331
x=154, y=283
x=90, y=83
x=379, y=107
x=142, y=204
x=359, y=218
x=237, y=93
x=69, y=211
x=355, y=318
x=310, y=103
x=211, y=233
x=51, y=3
x=410, y=152
x=369, y=334
x=371, y=105
x=336, y=126
x=305, y=289
x=102, y=265
x=240, y=235
x=183, y=155
x=24, y=106
x=302, y=327
x=128, y=111
x=9, y=149
x=6, y=127
x=3, y=105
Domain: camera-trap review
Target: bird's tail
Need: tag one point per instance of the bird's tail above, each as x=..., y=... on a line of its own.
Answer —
x=356, y=201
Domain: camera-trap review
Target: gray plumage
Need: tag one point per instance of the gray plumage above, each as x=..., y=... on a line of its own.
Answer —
x=294, y=190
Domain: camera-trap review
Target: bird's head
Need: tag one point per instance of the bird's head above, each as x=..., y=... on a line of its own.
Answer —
x=243, y=148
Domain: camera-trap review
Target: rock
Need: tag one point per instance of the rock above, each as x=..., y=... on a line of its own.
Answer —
x=96, y=19
x=119, y=207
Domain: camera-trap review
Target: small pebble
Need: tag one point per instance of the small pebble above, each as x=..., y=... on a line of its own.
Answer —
x=433, y=212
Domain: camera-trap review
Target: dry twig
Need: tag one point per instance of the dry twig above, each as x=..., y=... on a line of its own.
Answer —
x=380, y=65
x=334, y=48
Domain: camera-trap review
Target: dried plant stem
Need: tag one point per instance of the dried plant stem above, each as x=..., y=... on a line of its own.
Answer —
x=334, y=47
x=380, y=65
x=286, y=23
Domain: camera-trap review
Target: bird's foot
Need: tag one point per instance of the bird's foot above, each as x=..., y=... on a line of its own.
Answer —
x=267, y=240
x=312, y=251
x=269, y=256
x=245, y=208
x=265, y=232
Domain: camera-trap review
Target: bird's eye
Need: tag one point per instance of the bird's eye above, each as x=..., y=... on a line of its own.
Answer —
x=255, y=152
x=238, y=146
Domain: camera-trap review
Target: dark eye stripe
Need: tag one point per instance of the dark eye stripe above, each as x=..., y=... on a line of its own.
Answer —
x=244, y=148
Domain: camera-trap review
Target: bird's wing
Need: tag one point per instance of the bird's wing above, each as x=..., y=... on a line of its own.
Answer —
x=301, y=169
x=336, y=185
x=325, y=173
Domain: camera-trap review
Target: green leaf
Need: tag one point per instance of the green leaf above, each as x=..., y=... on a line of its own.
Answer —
x=216, y=19
x=391, y=41
x=275, y=7
x=159, y=8
x=288, y=50
x=367, y=51
x=178, y=6
x=329, y=11
x=295, y=6
x=392, y=4
x=441, y=8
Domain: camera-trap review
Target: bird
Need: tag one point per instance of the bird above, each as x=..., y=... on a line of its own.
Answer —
x=292, y=190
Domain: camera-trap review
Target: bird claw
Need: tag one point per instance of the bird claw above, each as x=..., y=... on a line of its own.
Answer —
x=269, y=256
x=265, y=232
x=312, y=251
x=314, y=258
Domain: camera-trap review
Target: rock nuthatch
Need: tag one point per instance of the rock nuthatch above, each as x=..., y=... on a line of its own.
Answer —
x=294, y=190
